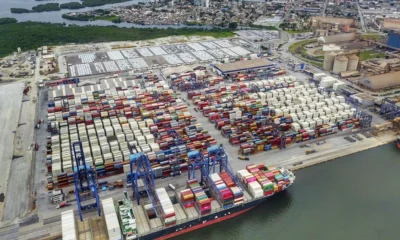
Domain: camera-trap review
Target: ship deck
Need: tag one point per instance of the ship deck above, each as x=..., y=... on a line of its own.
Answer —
x=146, y=224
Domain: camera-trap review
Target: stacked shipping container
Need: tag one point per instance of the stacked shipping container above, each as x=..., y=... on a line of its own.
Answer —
x=203, y=203
x=168, y=211
x=253, y=119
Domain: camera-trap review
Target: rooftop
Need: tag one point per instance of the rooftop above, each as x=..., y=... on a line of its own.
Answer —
x=243, y=65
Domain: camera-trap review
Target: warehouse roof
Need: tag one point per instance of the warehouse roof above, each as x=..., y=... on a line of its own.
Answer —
x=69, y=89
x=243, y=65
x=382, y=81
x=337, y=38
x=178, y=70
x=391, y=23
x=332, y=20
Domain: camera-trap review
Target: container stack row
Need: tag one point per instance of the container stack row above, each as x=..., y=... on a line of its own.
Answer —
x=112, y=223
x=187, y=198
x=109, y=123
x=168, y=210
x=202, y=203
x=225, y=190
x=253, y=119
x=263, y=181
x=68, y=225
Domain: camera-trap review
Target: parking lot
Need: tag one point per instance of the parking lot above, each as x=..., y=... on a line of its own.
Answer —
x=145, y=58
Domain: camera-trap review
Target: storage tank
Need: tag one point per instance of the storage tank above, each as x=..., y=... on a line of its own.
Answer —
x=353, y=63
x=329, y=60
x=340, y=64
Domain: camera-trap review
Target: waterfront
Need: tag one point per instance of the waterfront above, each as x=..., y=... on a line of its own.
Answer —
x=350, y=198
x=55, y=17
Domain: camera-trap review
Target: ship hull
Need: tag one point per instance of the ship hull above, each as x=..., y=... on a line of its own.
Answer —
x=203, y=221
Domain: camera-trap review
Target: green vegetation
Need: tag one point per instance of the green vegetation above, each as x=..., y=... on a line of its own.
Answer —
x=232, y=25
x=297, y=49
x=71, y=5
x=20, y=10
x=371, y=36
x=263, y=27
x=298, y=31
x=31, y=35
x=95, y=3
x=48, y=7
x=296, y=45
x=88, y=17
x=365, y=55
x=7, y=20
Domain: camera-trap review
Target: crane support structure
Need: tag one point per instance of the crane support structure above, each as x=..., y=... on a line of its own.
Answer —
x=140, y=169
x=85, y=181
x=389, y=109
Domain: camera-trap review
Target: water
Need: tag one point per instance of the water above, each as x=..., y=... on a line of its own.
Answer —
x=355, y=197
x=55, y=17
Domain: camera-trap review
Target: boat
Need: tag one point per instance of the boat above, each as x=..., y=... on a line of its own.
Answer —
x=188, y=215
x=398, y=141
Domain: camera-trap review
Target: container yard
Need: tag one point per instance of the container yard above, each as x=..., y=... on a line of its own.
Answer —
x=113, y=124
x=156, y=57
x=270, y=114
x=170, y=122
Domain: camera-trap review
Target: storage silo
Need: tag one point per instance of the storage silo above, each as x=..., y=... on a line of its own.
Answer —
x=353, y=63
x=329, y=60
x=340, y=64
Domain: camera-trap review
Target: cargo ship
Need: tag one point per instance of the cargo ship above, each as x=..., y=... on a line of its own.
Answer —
x=198, y=206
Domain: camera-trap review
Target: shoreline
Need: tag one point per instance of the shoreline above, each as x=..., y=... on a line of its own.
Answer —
x=343, y=151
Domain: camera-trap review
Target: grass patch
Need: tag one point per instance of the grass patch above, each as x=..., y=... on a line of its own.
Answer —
x=299, y=46
x=371, y=36
x=296, y=45
x=221, y=34
x=107, y=18
x=365, y=55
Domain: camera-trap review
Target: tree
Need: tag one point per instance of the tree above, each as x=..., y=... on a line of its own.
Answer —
x=233, y=25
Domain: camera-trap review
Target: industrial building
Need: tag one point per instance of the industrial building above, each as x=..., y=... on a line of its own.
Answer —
x=338, y=62
x=321, y=21
x=383, y=81
x=337, y=38
x=391, y=23
x=331, y=23
x=242, y=66
x=365, y=99
x=394, y=39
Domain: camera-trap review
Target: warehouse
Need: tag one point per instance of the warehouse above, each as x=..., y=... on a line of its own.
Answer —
x=332, y=20
x=241, y=66
x=391, y=23
x=383, y=81
x=337, y=38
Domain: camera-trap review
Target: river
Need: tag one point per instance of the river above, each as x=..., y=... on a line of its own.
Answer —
x=55, y=16
x=354, y=197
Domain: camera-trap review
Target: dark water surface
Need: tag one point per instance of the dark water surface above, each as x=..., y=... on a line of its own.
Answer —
x=355, y=197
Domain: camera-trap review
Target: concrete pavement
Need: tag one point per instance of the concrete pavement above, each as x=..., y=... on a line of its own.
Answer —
x=10, y=108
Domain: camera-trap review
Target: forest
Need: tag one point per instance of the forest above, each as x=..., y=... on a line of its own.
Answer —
x=31, y=35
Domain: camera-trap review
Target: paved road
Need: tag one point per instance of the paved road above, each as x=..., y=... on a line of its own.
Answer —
x=360, y=14
x=19, y=184
x=10, y=108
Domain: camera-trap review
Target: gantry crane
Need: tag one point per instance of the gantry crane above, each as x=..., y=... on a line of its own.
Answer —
x=140, y=169
x=85, y=181
x=208, y=163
